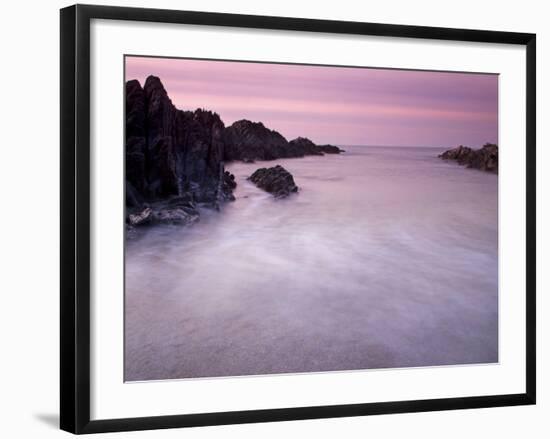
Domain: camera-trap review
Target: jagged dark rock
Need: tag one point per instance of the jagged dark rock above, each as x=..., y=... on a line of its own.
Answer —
x=172, y=153
x=276, y=180
x=485, y=158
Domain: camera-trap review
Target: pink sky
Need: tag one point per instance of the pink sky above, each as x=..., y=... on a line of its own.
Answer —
x=345, y=106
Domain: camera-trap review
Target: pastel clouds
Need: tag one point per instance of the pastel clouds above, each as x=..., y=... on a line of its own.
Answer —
x=341, y=105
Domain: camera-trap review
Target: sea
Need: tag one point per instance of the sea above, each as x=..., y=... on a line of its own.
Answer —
x=387, y=257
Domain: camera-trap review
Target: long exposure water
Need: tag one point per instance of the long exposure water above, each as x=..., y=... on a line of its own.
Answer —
x=387, y=257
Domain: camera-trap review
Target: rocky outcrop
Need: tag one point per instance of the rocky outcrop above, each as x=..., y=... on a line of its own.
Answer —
x=485, y=158
x=304, y=146
x=276, y=180
x=330, y=149
x=246, y=140
x=249, y=141
x=171, y=154
x=175, y=159
x=307, y=147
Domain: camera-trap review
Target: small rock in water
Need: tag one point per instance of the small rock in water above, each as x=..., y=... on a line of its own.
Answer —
x=276, y=180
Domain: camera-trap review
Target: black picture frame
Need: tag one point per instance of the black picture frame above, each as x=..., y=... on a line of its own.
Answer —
x=75, y=217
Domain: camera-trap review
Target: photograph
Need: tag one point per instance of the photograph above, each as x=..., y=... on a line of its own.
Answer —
x=294, y=218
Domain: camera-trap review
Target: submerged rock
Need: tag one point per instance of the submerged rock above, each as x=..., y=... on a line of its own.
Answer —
x=276, y=180
x=485, y=158
x=143, y=218
x=177, y=210
x=175, y=215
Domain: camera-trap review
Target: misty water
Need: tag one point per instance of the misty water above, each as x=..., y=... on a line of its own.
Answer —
x=387, y=257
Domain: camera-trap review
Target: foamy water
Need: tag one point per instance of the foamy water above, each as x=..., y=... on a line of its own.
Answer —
x=387, y=257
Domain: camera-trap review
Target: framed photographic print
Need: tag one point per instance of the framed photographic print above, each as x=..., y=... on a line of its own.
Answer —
x=267, y=218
